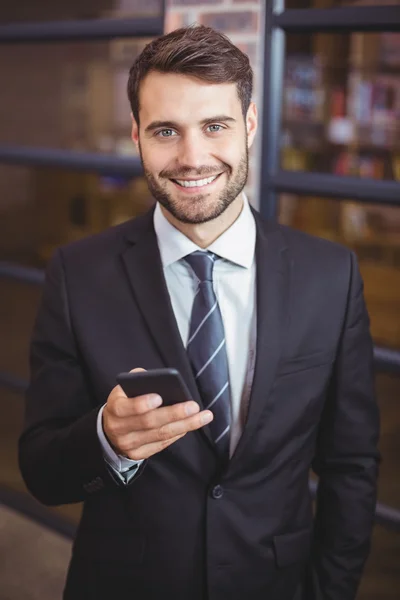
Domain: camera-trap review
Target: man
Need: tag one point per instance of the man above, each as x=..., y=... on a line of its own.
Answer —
x=207, y=499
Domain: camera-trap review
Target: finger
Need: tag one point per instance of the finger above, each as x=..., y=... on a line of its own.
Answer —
x=149, y=450
x=123, y=407
x=147, y=413
x=139, y=414
x=138, y=438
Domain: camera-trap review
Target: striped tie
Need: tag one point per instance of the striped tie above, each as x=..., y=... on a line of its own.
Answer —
x=206, y=350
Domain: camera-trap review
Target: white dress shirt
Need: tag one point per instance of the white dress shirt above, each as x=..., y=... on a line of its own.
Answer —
x=234, y=281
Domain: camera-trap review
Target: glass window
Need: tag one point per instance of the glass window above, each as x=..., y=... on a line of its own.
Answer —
x=373, y=232
x=341, y=104
x=68, y=95
x=48, y=10
x=42, y=208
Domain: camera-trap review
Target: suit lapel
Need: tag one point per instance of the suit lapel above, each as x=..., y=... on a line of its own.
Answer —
x=144, y=270
x=273, y=279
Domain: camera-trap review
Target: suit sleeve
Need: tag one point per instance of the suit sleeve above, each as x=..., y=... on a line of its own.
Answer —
x=347, y=459
x=60, y=455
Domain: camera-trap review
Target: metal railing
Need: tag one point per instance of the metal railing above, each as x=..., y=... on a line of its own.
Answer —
x=107, y=164
x=84, y=30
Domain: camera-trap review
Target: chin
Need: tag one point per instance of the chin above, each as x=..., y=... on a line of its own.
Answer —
x=194, y=217
x=197, y=211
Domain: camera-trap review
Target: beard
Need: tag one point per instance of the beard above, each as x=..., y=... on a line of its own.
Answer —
x=199, y=209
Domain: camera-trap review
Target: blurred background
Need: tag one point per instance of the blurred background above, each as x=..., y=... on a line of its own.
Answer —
x=327, y=161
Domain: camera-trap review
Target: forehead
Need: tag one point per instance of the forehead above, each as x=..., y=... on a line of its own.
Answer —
x=172, y=96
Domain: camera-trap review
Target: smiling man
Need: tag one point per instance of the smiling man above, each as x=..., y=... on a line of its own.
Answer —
x=206, y=499
x=194, y=148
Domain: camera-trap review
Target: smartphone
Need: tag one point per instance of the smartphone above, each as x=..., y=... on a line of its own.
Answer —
x=167, y=383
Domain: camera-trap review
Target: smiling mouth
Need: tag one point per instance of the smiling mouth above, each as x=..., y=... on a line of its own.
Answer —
x=196, y=183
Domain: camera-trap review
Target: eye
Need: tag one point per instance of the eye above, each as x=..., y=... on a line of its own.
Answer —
x=165, y=133
x=215, y=128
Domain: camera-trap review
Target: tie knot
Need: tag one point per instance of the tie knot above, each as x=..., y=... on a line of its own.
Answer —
x=202, y=264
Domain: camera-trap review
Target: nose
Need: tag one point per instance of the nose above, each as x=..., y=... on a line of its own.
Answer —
x=192, y=152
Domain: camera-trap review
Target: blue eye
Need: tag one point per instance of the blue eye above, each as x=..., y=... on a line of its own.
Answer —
x=169, y=133
x=219, y=127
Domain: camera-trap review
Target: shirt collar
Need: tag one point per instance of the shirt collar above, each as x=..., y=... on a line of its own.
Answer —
x=236, y=244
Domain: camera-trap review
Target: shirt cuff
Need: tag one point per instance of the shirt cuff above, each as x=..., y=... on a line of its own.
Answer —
x=120, y=464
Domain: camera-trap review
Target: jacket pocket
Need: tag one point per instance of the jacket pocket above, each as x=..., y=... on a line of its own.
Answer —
x=292, y=547
x=301, y=363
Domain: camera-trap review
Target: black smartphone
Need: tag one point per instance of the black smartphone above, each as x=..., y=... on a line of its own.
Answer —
x=167, y=383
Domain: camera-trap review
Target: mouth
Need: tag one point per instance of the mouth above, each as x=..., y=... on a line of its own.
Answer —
x=196, y=185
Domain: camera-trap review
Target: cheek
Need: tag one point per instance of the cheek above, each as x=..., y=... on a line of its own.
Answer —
x=231, y=149
x=234, y=160
x=155, y=159
x=228, y=154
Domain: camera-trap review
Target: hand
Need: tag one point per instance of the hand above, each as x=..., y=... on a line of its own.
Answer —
x=138, y=428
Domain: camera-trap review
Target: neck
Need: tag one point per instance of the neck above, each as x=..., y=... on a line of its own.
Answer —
x=204, y=234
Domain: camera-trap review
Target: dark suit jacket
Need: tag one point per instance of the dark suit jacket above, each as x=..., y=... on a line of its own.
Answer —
x=185, y=528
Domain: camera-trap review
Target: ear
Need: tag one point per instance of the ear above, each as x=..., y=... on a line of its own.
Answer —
x=251, y=123
x=135, y=132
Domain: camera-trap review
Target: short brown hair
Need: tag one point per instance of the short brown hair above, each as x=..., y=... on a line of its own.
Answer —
x=198, y=51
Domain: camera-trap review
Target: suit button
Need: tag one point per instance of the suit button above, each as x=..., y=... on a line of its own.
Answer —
x=217, y=492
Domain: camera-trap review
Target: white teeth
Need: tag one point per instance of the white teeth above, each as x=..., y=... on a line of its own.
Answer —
x=198, y=183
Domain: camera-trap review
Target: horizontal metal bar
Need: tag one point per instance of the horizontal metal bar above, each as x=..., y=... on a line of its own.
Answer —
x=106, y=164
x=13, y=383
x=26, y=505
x=387, y=516
x=334, y=186
x=341, y=19
x=20, y=273
x=386, y=359
x=83, y=30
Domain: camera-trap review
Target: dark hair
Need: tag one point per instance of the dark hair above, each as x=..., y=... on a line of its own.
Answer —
x=198, y=51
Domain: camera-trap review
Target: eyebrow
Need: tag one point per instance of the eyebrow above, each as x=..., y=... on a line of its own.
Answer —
x=173, y=125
